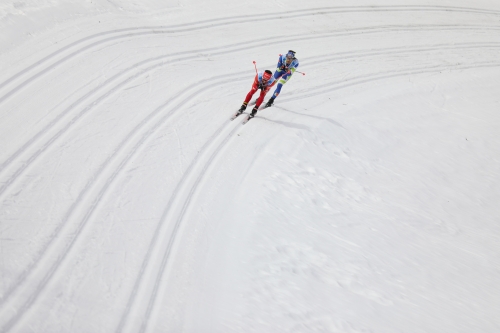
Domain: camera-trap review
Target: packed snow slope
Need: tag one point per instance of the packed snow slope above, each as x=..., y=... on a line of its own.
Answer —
x=365, y=200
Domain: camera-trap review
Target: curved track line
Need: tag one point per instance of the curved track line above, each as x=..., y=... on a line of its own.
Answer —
x=184, y=205
x=201, y=173
x=158, y=279
x=94, y=204
x=132, y=32
x=8, y=292
x=238, y=18
x=420, y=48
x=182, y=57
x=375, y=77
x=62, y=254
x=165, y=215
x=335, y=56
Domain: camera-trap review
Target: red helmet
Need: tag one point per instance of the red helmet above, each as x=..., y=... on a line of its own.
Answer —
x=267, y=75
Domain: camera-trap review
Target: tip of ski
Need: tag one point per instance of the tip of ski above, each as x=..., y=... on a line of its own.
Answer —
x=234, y=116
x=247, y=118
x=237, y=114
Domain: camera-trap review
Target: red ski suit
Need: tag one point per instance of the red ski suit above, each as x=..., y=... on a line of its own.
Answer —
x=264, y=88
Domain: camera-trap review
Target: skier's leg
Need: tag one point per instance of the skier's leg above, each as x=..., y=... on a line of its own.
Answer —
x=277, y=91
x=277, y=74
x=274, y=95
x=247, y=99
x=260, y=99
x=258, y=103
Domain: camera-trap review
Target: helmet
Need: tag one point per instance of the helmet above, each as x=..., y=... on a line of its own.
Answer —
x=267, y=75
x=290, y=54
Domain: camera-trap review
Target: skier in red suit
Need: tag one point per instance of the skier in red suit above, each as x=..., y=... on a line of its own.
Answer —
x=263, y=81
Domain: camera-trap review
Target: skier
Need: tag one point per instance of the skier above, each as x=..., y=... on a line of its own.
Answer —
x=287, y=65
x=263, y=81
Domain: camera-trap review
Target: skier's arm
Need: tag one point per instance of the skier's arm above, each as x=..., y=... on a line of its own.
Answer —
x=255, y=84
x=272, y=84
x=294, y=68
x=280, y=63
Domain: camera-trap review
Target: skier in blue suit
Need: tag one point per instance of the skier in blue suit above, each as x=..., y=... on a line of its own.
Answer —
x=287, y=65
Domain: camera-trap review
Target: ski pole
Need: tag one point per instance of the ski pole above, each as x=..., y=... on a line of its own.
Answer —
x=255, y=65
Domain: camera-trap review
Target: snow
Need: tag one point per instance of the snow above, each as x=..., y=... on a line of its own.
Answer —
x=365, y=200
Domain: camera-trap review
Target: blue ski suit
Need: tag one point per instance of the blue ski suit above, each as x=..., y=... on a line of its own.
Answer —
x=284, y=72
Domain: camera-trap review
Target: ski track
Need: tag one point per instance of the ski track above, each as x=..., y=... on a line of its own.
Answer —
x=185, y=208
x=193, y=171
x=193, y=187
x=358, y=54
x=385, y=75
x=160, y=59
x=172, y=205
x=197, y=170
x=133, y=32
x=61, y=251
x=198, y=175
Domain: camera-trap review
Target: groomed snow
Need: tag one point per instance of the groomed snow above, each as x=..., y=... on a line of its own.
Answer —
x=365, y=200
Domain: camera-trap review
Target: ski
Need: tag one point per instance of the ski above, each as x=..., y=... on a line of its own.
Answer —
x=247, y=118
x=235, y=115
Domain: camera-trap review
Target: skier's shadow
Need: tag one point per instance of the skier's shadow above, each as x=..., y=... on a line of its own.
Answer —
x=298, y=126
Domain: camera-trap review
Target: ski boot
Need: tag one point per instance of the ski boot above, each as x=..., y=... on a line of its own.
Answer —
x=254, y=112
x=270, y=102
x=242, y=108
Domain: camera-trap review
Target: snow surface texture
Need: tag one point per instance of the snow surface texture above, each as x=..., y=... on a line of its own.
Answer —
x=366, y=200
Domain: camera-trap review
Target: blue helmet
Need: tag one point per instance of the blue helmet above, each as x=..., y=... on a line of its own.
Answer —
x=290, y=54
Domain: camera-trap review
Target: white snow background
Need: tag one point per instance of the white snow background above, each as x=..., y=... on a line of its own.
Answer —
x=366, y=200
